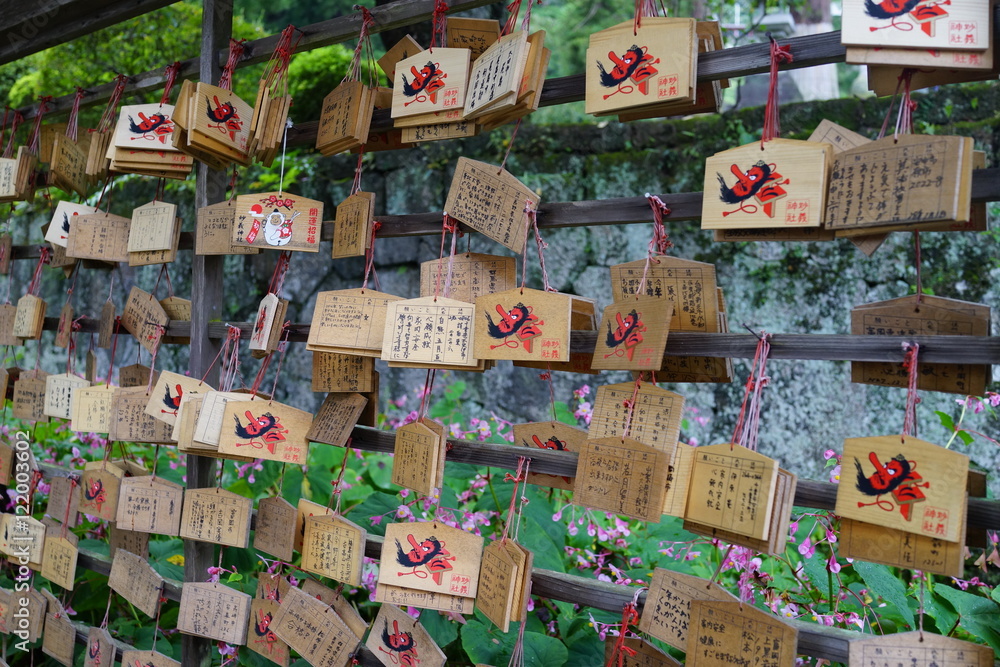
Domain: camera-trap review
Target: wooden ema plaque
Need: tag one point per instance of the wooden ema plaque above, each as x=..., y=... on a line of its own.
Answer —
x=150, y=505
x=723, y=632
x=345, y=119
x=90, y=409
x=690, y=285
x=499, y=580
x=8, y=314
x=215, y=611
x=636, y=335
x=783, y=184
x=65, y=215
x=136, y=543
x=491, y=201
x=314, y=630
x=219, y=123
x=431, y=81
x=64, y=327
x=136, y=581
x=29, y=397
x=336, y=419
x=261, y=638
x=147, y=659
x=550, y=435
x=888, y=546
x=927, y=179
x=277, y=220
x=214, y=231
x=398, y=639
x=467, y=276
x=931, y=316
x=401, y=50
x=304, y=510
x=430, y=332
x=667, y=613
x=732, y=488
x=635, y=68
x=638, y=653
x=916, y=649
x=36, y=606
x=267, y=430
x=349, y=321
x=338, y=373
x=58, y=394
x=30, y=317
x=6, y=459
x=523, y=325
x=622, y=476
x=264, y=322
x=415, y=458
x=275, y=531
x=59, y=561
x=152, y=227
x=100, y=648
x=130, y=422
x=59, y=638
x=142, y=316
x=925, y=25
x=440, y=132
x=496, y=75
x=64, y=501
x=353, y=224
x=656, y=417
x=334, y=547
x=100, y=484
x=348, y=614
x=431, y=557
x=216, y=516
x=167, y=392
x=23, y=536
x=407, y=597
x=100, y=236
x=909, y=486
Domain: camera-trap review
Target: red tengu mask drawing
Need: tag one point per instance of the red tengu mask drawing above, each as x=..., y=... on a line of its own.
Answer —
x=897, y=477
x=519, y=322
x=626, y=337
x=430, y=553
x=225, y=117
x=400, y=646
x=155, y=127
x=429, y=79
x=260, y=432
x=635, y=64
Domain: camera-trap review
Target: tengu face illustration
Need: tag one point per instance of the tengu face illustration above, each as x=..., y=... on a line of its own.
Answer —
x=552, y=443
x=95, y=493
x=428, y=79
x=397, y=640
x=94, y=652
x=260, y=432
x=158, y=125
x=420, y=553
x=510, y=321
x=889, y=9
x=625, y=66
x=224, y=116
x=886, y=478
x=748, y=183
x=626, y=327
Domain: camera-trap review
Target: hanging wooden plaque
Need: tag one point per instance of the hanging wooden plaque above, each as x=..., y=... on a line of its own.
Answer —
x=147, y=659
x=261, y=638
x=732, y=488
x=622, y=476
x=638, y=653
x=59, y=561
x=221, y=122
x=90, y=409
x=636, y=335
x=905, y=483
x=439, y=558
x=277, y=220
x=919, y=649
x=415, y=456
x=64, y=500
x=498, y=582
x=8, y=314
x=467, y=276
x=30, y=317
x=59, y=391
x=334, y=547
x=99, y=490
x=314, y=630
x=152, y=227
x=265, y=321
x=100, y=236
x=334, y=372
x=782, y=184
x=215, y=611
x=477, y=35
x=275, y=531
x=349, y=321
x=923, y=24
x=63, y=218
x=401, y=50
x=29, y=397
x=655, y=420
x=64, y=327
x=345, y=119
x=431, y=81
x=217, y=516
x=491, y=201
x=214, y=231
x=353, y=224
x=304, y=510
x=130, y=422
x=59, y=638
x=496, y=75
x=523, y=324
x=268, y=430
x=135, y=580
x=407, y=597
x=690, y=285
x=667, y=613
x=129, y=540
x=888, y=546
x=348, y=614
x=143, y=316
x=150, y=505
x=927, y=179
x=23, y=536
x=6, y=458
x=440, y=131
x=336, y=419
x=398, y=639
x=430, y=332
x=550, y=435
x=721, y=629
x=100, y=648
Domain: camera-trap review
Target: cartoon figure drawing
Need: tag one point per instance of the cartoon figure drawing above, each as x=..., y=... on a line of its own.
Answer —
x=258, y=327
x=277, y=226
x=518, y=322
x=225, y=118
x=426, y=83
x=95, y=493
x=923, y=13
x=262, y=628
x=156, y=127
x=553, y=443
x=94, y=653
x=760, y=181
x=65, y=227
x=429, y=554
x=172, y=402
x=627, y=336
x=635, y=64
x=402, y=648
x=260, y=432
x=898, y=477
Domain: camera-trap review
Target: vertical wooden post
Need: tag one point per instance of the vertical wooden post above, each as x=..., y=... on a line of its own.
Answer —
x=206, y=306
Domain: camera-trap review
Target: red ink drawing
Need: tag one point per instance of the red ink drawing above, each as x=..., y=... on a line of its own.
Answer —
x=262, y=629
x=923, y=13
x=156, y=127
x=426, y=83
x=898, y=477
x=553, y=443
x=429, y=554
x=402, y=647
x=277, y=226
x=94, y=653
x=226, y=118
x=519, y=321
x=258, y=327
x=626, y=337
x=761, y=181
x=172, y=402
x=260, y=432
x=96, y=494
x=635, y=65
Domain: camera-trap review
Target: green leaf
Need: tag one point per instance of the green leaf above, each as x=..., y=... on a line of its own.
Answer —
x=585, y=651
x=377, y=504
x=941, y=611
x=882, y=583
x=486, y=644
x=234, y=577
x=946, y=420
x=996, y=594
x=441, y=628
x=544, y=651
x=979, y=615
x=966, y=437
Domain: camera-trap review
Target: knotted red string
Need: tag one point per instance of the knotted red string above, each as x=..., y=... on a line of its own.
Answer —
x=425, y=396
x=235, y=54
x=448, y=225
x=439, y=21
x=644, y=8
x=903, y=78
x=911, y=367
x=71, y=348
x=519, y=477
x=772, y=127
x=659, y=244
x=280, y=271
x=513, y=9
x=36, y=278
x=35, y=138
x=904, y=121
x=232, y=335
x=170, y=73
x=111, y=110
x=72, y=123
x=748, y=423
x=277, y=68
x=630, y=616
x=338, y=483
x=629, y=405
x=8, y=152
x=282, y=348
x=364, y=44
x=370, y=257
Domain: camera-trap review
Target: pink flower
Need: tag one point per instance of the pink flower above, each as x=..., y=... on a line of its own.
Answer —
x=829, y=454
x=582, y=391
x=832, y=564
x=835, y=474
x=807, y=548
